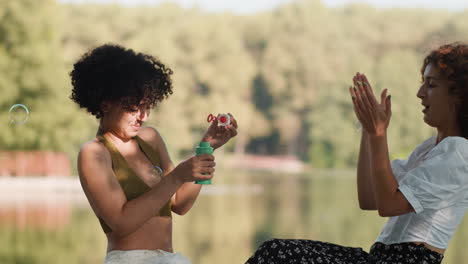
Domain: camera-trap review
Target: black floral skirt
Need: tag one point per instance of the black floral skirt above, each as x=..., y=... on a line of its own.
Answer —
x=279, y=251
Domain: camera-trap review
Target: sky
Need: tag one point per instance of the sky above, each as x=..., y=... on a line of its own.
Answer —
x=252, y=6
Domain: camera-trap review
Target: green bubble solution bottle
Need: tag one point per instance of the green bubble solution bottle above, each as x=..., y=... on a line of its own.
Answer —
x=204, y=148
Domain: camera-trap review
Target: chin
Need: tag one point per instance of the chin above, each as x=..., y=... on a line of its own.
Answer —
x=133, y=133
x=429, y=122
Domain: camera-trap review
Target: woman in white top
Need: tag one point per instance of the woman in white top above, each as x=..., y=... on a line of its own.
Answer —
x=426, y=195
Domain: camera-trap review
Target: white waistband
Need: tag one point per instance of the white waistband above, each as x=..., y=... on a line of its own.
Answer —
x=144, y=257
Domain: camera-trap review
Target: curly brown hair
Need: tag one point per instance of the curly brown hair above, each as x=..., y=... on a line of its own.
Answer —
x=112, y=73
x=452, y=60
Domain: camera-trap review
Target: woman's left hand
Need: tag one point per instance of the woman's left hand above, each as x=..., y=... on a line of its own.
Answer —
x=219, y=135
x=374, y=117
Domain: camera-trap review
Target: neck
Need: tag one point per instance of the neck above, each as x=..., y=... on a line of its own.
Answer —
x=448, y=132
x=106, y=131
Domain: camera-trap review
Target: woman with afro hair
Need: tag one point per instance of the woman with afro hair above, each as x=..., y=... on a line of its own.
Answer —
x=424, y=196
x=126, y=172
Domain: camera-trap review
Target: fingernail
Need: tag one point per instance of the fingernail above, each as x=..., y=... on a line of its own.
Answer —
x=389, y=97
x=354, y=98
x=354, y=87
x=364, y=84
x=359, y=83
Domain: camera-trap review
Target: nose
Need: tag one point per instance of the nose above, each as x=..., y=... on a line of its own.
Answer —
x=421, y=92
x=143, y=114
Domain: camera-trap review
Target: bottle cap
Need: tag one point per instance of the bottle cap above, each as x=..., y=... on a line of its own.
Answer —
x=204, y=144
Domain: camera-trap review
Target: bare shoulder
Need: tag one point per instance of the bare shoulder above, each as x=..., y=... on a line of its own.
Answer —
x=93, y=158
x=93, y=151
x=151, y=136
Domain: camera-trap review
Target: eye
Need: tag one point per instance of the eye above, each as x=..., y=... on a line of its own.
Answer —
x=428, y=83
x=133, y=109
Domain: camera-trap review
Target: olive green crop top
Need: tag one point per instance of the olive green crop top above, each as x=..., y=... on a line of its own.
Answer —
x=131, y=184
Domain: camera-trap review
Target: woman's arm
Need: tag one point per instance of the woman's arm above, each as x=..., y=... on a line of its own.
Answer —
x=365, y=186
x=187, y=193
x=107, y=197
x=390, y=201
x=375, y=119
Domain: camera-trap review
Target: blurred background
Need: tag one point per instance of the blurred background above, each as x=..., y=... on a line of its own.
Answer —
x=281, y=67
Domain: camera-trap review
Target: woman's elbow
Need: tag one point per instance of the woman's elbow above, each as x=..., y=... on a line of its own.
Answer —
x=367, y=206
x=121, y=228
x=387, y=212
x=384, y=213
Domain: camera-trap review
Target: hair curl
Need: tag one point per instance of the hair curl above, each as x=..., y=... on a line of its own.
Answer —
x=112, y=73
x=452, y=61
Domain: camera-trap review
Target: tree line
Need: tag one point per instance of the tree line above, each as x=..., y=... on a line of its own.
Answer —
x=283, y=73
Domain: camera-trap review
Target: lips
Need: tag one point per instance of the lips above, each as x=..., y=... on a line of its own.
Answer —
x=426, y=108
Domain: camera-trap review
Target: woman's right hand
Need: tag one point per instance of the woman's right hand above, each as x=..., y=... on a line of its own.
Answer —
x=374, y=117
x=200, y=167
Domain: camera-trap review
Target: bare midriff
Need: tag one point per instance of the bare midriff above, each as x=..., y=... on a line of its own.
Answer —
x=438, y=250
x=156, y=233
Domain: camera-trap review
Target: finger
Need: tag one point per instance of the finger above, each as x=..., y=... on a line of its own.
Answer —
x=213, y=125
x=357, y=108
x=359, y=80
x=208, y=164
x=364, y=111
x=215, y=121
x=383, y=96
x=205, y=157
x=203, y=176
x=368, y=98
x=359, y=116
x=233, y=120
x=352, y=93
x=233, y=132
x=356, y=97
x=355, y=79
x=362, y=100
x=207, y=170
x=230, y=131
x=368, y=90
x=388, y=107
x=362, y=118
x=364, y=79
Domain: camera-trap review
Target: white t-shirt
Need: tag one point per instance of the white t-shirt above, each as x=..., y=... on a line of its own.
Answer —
x=434, y=180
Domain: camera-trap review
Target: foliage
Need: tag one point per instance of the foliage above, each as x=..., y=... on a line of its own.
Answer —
x=283, y=73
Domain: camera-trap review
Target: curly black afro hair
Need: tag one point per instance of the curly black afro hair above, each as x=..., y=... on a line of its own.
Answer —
x=111, y=73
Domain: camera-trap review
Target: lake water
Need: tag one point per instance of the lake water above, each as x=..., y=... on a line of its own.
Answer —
x=230, y=219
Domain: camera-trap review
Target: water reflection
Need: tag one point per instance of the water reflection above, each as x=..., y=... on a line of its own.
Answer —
x=230, y=219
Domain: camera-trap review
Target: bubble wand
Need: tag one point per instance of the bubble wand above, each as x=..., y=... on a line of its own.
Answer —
x=223, y=119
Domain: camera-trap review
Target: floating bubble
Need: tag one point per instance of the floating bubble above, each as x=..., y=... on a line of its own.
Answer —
x=19, y=114
x=358, y=126
x=158, y=171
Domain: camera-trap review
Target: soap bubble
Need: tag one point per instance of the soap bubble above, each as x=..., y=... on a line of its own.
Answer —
x=19, y=114
x=358, y=126
x=158, y=171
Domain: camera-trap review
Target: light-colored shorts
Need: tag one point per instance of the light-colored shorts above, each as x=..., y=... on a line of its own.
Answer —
x=144, y=257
